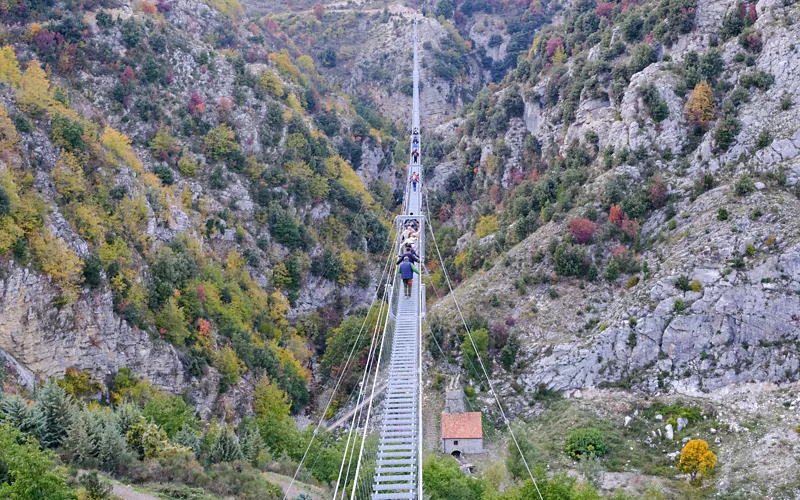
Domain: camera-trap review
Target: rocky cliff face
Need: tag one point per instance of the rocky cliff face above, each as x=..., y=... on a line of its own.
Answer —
x=738, y=246
x=86, y=335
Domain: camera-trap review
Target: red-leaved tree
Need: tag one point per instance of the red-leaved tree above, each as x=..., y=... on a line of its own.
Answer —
x=604, y=9
x=552, y=46
x=615, y=214
x=630, y=227
x=582, y=230
x=196, y=104
x=658, y=192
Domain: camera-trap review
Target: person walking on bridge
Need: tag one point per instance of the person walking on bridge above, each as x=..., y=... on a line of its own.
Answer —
x=406, y=270
x=409, y=254
x=414, y=180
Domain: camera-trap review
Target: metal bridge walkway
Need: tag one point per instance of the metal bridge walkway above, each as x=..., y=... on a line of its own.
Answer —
x=399, y=459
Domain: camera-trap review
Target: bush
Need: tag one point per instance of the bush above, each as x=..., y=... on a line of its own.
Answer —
x=764, y=139
x=571, y=260
x=682, y=283
x=722, y=214
x=659, y=111
x=759, y=79
x=165, y=174
x=726, y=131
x=643, y=56
x=744, y=185
x=582, y=230
x=586, y=441
x=612, y=270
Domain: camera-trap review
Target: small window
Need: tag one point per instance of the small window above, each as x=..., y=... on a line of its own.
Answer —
x=455, y=442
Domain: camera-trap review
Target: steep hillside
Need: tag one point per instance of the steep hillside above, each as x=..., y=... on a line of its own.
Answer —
x=179, y=200
x=621, y=210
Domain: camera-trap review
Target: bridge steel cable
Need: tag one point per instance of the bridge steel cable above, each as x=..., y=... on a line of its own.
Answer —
x=386, y=269
x=492, y=391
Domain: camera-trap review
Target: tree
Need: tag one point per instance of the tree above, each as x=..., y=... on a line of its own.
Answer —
x=444, y=480
x=582, y=230
x=8, y=133
x=220, y=142
x=471, y=362
x=54, y=406
x=486, y=226
x=508, y=354
x=196, y=104
x=328, y=57
x=112, y=446
x=170, y=321
x=34, y=96
x=96, y=488
x=9, y=68
x=269, y=400
x=697, y=458
x=445, y=8
x=28, y=472
x=169, y=411
x=700, y=105
x=226, y=447
x=230, y=367
x=318, y=10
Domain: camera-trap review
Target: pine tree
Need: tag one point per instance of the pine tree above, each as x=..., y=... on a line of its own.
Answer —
x=112, y=446
x=226, y=448
x=15, y=411
x=187, y=437
x=54, y=406
x=251, y=443
x=79, y=443
x=126, y=415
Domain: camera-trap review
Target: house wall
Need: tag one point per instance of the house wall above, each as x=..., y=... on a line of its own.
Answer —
x=463, y=446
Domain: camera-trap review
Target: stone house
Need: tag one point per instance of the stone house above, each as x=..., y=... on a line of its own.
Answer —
x=462, y=433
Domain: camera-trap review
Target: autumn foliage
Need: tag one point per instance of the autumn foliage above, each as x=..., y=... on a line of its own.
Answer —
x=615, y=214
x=700, y=105
x=697, y=458
x=582, y=230
x=658, y=192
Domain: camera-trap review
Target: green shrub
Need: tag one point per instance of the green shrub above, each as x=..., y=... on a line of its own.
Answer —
x=764, y=139
x=759, y=79
x=682, y=283
x=744, y=185
x=612, y=270
x=722, y=214
x=658, y=106
x=679, y=306
x=786, y=102
x=586, y=441
x=726, y=131
x=571, y=260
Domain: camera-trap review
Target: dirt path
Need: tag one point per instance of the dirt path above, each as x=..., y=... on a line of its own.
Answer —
x=314, y=492
x=128, y=493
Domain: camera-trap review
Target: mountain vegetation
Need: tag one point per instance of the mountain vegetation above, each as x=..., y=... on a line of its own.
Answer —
x=196, y=202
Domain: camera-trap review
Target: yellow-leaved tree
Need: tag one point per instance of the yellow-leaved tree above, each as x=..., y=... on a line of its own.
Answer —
x=120, y=145
x=486, y=226
x=272, y=84
x=56, y=259
x=34, y=95
x=9, y=68
x=697, y=458
x=700, y=105
x=8, y=134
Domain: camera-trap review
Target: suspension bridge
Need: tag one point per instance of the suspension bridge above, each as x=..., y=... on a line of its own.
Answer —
x=382, y=457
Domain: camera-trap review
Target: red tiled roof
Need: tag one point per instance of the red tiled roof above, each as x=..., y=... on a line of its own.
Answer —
x=462, y=425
